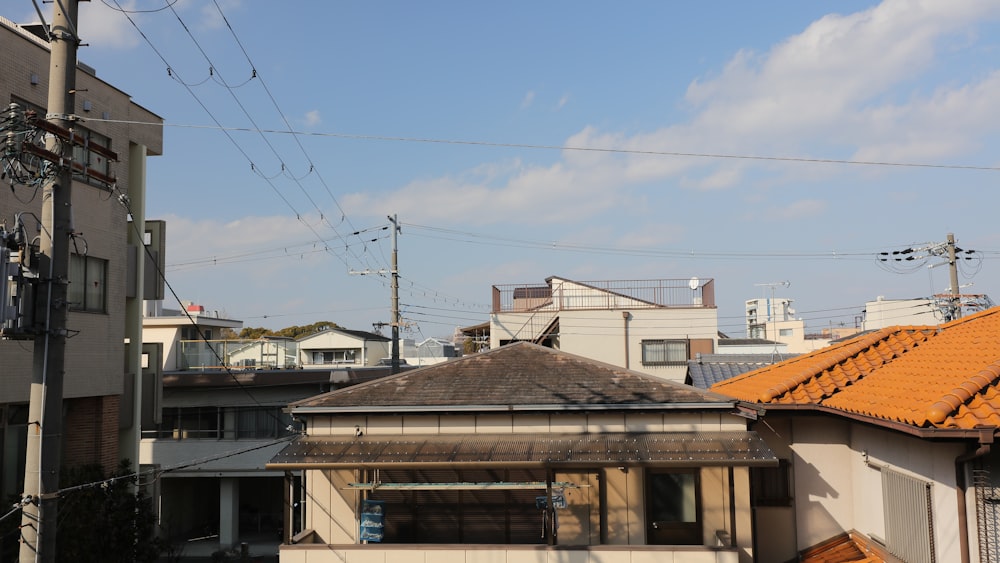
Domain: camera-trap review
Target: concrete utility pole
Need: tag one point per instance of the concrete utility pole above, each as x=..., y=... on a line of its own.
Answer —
x=44, y=447
x=395, y=295
x=956, y=300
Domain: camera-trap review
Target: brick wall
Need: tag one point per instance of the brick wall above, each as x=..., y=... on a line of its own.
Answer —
x=90, y=432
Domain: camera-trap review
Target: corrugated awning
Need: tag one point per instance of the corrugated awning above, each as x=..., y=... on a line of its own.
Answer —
x=660, y=449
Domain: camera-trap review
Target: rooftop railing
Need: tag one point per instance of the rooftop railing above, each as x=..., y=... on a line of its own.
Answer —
x=238, y=354
x=563, y=295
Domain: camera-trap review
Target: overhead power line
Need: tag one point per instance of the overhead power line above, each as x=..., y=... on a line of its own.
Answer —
x=612, y=150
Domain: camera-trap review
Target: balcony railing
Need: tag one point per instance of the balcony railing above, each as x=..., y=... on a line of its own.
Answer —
x=563, y=295
x=238, y=354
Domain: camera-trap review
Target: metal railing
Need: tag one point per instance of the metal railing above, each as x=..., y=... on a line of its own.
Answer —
x=563, y=295
x=238, y=354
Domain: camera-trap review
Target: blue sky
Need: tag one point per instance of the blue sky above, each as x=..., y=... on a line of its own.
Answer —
x=466, y=120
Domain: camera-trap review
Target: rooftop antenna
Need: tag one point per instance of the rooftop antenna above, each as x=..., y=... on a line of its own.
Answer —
x=773, y=286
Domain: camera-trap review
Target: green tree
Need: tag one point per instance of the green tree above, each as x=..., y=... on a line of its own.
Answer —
x=106, y=522
x=295, y=331
x=227, y=333
x=300, y=331
x=253, y=333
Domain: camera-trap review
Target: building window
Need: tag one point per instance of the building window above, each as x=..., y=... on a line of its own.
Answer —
x=664, y=352
x=88, y=283
x=771, y=486
x=784, y=332
x=909, y=524
x=192, y=422
x=228, y=423
x=256, y=423
x=195, y=333
x=673, y=508
x=439, y=514
x=85, y=155
x=324, y=357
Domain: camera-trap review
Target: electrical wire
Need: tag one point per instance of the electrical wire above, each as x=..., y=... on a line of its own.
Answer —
x=123, y=199
x=277, y=107
x=706, y=155
x=157, y=473
x=231, y=139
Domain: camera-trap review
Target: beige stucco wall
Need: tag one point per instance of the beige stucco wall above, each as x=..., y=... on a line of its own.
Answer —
x=838, y=483
x=502, y=554
x=371, y=351
x=706, y=421
x=331, y=508
x=331, y=515
x=94, y=354
x=168, y=336
x=601, y=334
x=775, y=525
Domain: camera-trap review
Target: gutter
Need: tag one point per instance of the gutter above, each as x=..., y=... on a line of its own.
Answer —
x=985, y=443
x=371, y=409
x=919, y=432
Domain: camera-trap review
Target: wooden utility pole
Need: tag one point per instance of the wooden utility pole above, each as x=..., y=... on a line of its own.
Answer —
x=44, y=446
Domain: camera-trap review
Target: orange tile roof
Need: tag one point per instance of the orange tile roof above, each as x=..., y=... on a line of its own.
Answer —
x=923, y=376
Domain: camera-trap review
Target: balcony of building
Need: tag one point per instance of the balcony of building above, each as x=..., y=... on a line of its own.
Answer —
x=238, y=354
x=563, y=295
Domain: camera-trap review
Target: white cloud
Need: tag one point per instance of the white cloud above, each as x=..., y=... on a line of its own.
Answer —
x=657, y=235
x=796, y=210
x=312, y=118
x=846, y=85
x=562, y=102
x=528, y=99
x=104, y=27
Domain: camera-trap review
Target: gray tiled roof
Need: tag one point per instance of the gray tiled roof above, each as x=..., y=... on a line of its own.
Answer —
x=710, y=369
x=516, y=375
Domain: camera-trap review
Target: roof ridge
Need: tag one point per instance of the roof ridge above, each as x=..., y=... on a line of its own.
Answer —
x=958, y=396
x=847, y=350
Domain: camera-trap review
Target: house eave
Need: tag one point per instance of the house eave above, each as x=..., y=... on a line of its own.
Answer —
x=932, y=433
x=433, y=409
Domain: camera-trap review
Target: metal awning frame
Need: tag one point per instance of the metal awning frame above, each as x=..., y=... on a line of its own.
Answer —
x=552, y=451
x=461, y=486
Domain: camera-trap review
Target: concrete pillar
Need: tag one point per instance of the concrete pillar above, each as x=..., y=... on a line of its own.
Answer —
x=131, y=430
x=229, y=512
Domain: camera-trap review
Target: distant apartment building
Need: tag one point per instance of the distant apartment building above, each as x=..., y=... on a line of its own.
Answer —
x=774, y=319
x=103, y=283
x=215, y=418
x=650, y=326
x=343, y=347
x=922, y=311
x=185, y=334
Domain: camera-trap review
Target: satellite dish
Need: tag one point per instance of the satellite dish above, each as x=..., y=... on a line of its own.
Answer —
x=693, y=283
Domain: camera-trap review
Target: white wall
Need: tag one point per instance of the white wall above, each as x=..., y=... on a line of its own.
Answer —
x=838, y=483
x=371, y=351
x=883, y=313
x=604, y=335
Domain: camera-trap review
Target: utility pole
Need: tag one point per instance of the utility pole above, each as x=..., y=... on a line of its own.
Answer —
x=396, y=321
x=395, y=295
x=956, y=299
x=44, y=445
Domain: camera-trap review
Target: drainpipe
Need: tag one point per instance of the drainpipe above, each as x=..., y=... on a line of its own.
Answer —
x=985, y=441
x=625, y=316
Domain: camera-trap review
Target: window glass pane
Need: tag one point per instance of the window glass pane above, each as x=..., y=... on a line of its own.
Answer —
x=770, y=485
x=77, y=281
x=664, y=352
x=673, y=496
x=94, y=297
x=87, y=290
